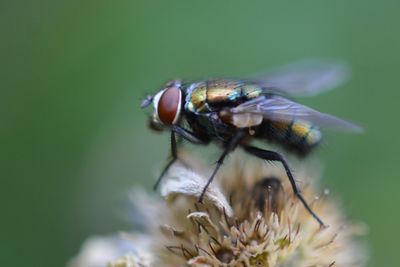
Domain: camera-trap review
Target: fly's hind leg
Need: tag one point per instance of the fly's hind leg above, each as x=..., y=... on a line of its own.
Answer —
x=231, y=145
x=274, y=156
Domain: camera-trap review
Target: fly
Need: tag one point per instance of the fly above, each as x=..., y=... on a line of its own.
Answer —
x=233, y=112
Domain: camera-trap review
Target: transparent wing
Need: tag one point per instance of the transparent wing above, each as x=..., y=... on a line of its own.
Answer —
x=304, y=78
x=277, y=108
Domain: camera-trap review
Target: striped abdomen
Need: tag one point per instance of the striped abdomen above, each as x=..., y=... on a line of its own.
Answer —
x=296, y=136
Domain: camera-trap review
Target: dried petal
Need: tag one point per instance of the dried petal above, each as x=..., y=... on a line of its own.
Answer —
x=182, y=181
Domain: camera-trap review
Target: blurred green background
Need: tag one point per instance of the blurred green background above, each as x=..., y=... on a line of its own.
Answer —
x=73, y=139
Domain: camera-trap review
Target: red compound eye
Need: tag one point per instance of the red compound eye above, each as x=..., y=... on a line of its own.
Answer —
x=169, y=105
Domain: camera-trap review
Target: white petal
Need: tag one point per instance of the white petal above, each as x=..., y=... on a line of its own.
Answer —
x=182, y=181
x=100, y=250
x=126, y=261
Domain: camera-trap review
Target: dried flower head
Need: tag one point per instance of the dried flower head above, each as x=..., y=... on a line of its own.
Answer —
x=249, y=217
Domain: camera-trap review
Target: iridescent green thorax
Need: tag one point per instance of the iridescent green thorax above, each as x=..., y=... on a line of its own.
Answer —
x=206, y=96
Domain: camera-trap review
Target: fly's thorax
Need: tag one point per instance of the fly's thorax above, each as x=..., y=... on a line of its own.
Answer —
x=251, y=91
x=209, y=96
x=168, y=105
x=196, y=99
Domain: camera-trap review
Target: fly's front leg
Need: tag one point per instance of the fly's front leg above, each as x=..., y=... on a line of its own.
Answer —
x=174, y=155
x=231, y=145
x=185, y=134
x=274, y=156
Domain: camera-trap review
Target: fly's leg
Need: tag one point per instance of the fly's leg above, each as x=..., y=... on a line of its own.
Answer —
x=174, y=154
x=231, y=145
x=274, y=156
x=185, y=134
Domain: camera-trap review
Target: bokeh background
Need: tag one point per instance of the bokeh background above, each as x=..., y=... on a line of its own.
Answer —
x=74, y=141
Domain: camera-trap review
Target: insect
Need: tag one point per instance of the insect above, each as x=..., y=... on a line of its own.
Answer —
x=233, y=112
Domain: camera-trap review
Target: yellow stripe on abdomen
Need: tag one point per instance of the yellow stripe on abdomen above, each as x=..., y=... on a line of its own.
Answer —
x=306, y=133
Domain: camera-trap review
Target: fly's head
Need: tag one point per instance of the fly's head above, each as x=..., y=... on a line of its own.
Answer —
x=167, y=106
